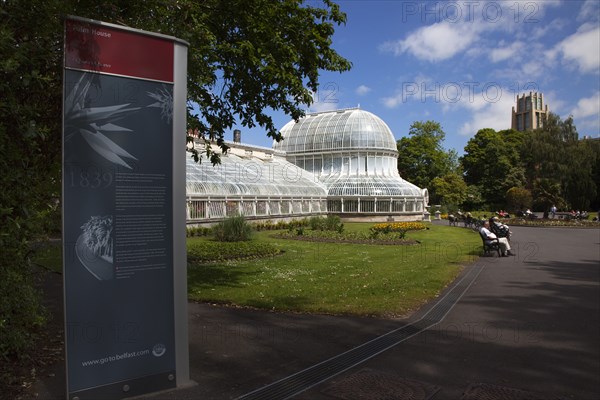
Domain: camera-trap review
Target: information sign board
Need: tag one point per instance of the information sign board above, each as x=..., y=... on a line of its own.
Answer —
x=119, y=206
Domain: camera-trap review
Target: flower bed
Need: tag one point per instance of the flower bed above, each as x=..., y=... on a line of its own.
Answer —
x=384, y=233
x=345, y=237
x=397, y=227
x=570, y=223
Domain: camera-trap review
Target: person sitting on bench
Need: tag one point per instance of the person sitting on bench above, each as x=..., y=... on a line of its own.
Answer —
x=500, y=229
x=504, y=244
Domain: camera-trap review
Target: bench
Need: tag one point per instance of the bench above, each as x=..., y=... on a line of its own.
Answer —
x=452, y=220
x=490, y=245
x=499, y=230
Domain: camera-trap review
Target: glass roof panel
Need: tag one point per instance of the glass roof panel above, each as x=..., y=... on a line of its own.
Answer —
x=350, y=129
x=250, y=177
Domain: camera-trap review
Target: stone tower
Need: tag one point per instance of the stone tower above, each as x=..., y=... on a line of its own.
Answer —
x=531, y=112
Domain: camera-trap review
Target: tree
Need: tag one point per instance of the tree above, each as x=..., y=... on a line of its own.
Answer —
x=422, y=157
x=245, y=57
x=594, y=145
x=559, y=167
x=580, y=187
x=451, y=189
x=547, y=193
x=474, y=200
x=492, y=162
x=518, y=199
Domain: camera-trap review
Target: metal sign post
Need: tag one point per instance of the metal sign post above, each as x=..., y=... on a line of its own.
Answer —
x=125, y=282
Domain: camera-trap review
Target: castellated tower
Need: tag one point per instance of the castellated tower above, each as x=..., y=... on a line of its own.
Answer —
x=531, y=112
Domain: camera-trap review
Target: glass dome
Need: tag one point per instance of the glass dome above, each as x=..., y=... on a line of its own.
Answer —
x=353, y=153
x=349, y=129
x=342, y=162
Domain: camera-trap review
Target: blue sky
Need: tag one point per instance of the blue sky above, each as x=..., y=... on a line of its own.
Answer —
x=462, y=63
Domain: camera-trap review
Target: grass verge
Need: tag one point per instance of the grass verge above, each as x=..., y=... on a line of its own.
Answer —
x=339, y=278
x=321, y=277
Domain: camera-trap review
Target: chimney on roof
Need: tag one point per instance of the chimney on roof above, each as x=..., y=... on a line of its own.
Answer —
x=237, y=136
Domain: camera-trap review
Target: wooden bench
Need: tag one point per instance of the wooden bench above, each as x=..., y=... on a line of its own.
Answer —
x=490, y=245
x=499, y=231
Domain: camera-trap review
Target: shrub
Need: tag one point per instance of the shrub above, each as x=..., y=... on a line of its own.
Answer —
x=397, y=228
x=316, y=223
x=347, y=237
x=334, y=223
x=198, y=231
x=209, y=251
x=21, y=315
x=518, y=198
x=232, y=229
x=264, y=226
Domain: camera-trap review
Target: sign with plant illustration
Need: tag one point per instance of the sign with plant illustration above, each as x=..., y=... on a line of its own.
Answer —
x=117, y=210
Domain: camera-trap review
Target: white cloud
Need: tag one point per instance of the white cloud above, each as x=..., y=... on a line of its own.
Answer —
x=320, y=106
x=587, y=107
x=362, y=90
x=590, y=10
x=581, y=48
x=555, y=102
x=494, y=110
x=533, y=69
x=436, y=42
x=411, y=90
x=504, y=53
x=588, y=127
x=327, y=98
x=541, y=31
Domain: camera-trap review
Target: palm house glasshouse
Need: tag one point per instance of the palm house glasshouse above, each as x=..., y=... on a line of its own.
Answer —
x=340, y=162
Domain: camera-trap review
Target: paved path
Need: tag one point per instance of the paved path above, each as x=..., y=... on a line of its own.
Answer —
x=523, y=326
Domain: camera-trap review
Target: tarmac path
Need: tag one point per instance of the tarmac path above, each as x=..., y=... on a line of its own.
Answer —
x=523, y=327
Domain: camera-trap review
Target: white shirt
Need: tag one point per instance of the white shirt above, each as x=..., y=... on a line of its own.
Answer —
x=488, y=234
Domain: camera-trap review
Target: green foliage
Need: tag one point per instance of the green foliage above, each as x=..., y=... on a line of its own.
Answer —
x=329, y=223
x=387, y=231
x=206, y=251
x=450, y=189
x=316, y=223
x=474, y=199
x=518, y=199
x=193, y=231
x=333, y=277
x=245, y=57
x=268, y=54
x=383, y=233
x=48, y=256
x=492, y=162
x=422, y=157
x=560, y=167
x=377, y=238
x=553, y=222
x=333, y=223
x=233, y=229
x=20, y=314
x=550, y=162
x=546, y=193
x=30, y=104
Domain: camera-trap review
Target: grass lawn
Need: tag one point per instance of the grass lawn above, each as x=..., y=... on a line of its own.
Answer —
x=339, y=278
x=330, y=278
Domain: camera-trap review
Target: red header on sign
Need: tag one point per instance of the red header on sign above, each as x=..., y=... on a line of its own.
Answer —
x=105, y=49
